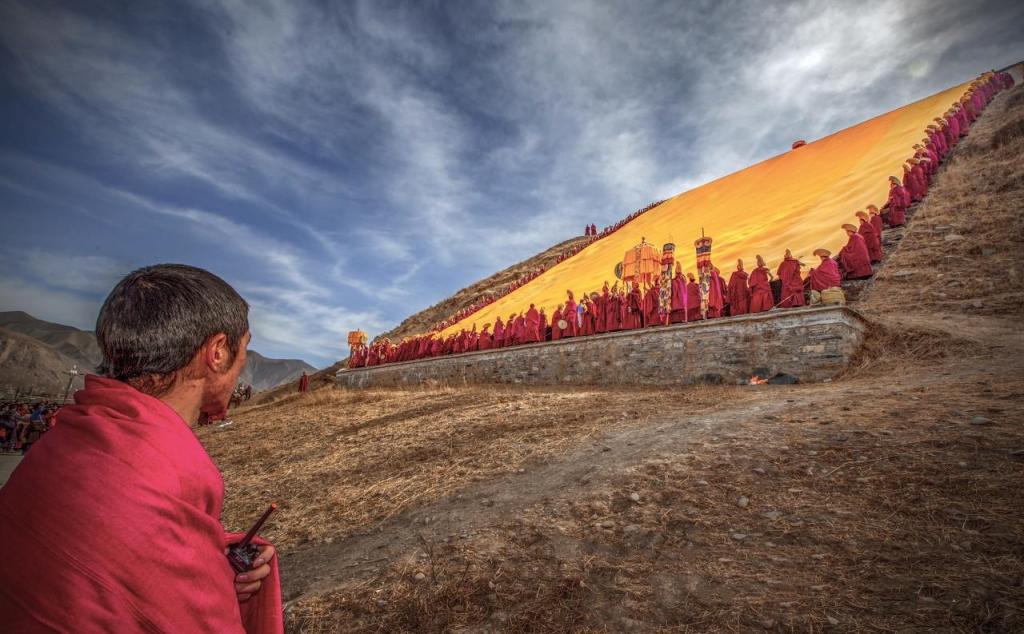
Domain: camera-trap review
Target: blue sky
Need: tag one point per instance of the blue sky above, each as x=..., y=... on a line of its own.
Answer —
x=346, y=164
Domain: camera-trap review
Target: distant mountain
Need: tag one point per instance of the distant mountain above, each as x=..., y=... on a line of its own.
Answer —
x=27, y=365
x=79, y=345
x=35, y=355
x=264, y=373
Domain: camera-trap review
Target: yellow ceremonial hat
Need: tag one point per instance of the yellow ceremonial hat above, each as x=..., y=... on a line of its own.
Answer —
x=822, y=253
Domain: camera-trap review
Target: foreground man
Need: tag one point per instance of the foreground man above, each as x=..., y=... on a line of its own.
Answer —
x=112, y=523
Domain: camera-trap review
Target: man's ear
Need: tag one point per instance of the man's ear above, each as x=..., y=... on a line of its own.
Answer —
x=217, y=354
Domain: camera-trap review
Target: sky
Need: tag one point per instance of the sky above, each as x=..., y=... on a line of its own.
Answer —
x=346, y=164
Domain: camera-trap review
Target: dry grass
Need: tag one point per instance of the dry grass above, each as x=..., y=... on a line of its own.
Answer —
x=340, y=460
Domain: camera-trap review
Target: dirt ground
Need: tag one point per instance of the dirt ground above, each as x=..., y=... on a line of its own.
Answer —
x=889, y=499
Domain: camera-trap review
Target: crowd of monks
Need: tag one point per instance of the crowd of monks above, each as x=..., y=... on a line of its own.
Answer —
x=638, y=305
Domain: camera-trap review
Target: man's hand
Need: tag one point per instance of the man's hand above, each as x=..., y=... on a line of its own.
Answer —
x=248, y=583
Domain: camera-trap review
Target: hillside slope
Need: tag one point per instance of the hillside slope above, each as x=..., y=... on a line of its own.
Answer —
x=886, y=500
x=796, y=200
x=30, y=365
x=79, y=345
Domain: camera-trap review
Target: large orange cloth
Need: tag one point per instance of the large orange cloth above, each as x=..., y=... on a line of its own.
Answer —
x=112, y=524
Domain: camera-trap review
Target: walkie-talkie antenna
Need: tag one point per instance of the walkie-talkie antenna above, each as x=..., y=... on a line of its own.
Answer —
x=256, y=527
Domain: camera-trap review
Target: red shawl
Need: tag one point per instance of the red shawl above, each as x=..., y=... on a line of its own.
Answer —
x=112, y=523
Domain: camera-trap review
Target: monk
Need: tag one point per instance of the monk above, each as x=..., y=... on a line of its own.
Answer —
x=826, y=274
x=693, y=299
x=871, y=236
x=485, y=342
x=652, y=304
x=556, y=330
x=716, y=298
x=876, y=220
x=760, y=288
x=588, y=322
x=899, y=200
x=613, y=310
x=601, y=310
x=854, y=257
x=634, y=309
x=436, y=347
x=679, y=303
x=739, y=293
x=542, y=326
x=531, y=327
x=499, y=333
x=569, y=315
x=792, y=282
x=112, y=522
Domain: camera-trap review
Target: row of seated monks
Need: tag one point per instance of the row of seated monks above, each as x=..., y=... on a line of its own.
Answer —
x=590, y=231
x=645, y=305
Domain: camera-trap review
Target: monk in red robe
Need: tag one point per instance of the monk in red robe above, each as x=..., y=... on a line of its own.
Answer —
x=601, y=311
x=486, y=341
x=613, y=311
x=899, y=200
x=875, y=219
x=760, y=288
x=792, y=282
x=826, y=274
x=739, y=293
x=871, y=236
x=679, y=303
x=556, y=328
x=587, y=317
x=112, y=522
x=716, y=298
x=634, y=309
x=542, y=326
x=854, y=257
x=532, y=325
x=652, y=304
x=569, y=315
x=693, y=312
x=498, y=339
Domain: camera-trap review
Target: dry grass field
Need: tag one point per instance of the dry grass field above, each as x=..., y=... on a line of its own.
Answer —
x=890, y=499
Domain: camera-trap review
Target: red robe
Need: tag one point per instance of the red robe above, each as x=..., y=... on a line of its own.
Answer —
x=485, y=342
x=556, y=331
x=634, y=310
x=693, y=301
x=613, y=313
x=716, y=298
x=739, y=294
x=589, y=325
x=760, y=290
x=679, y=303
x=600, y=307
x=792, y=284
x=899, y=200
x=112, y=524
x=569, y=315
x=499, y=335
x=825, y=276
x=872, y=239
x=531, y=326
x=652, y=306
x=542, y=327
x=876, y=222
x=855, y=259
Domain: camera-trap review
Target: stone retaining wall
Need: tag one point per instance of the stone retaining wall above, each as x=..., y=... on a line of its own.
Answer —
x=810, y=343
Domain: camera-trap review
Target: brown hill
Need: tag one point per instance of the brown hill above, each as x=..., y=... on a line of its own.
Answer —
x=888, y=499
x=28, y=365
x=79, y=345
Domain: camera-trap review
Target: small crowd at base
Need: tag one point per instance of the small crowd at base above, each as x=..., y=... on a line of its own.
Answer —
x=656, y=302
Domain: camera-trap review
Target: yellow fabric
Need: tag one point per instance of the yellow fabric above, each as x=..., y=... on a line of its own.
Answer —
x=796, y=200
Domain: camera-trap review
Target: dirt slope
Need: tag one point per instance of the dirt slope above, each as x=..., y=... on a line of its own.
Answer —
x=889, y=499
